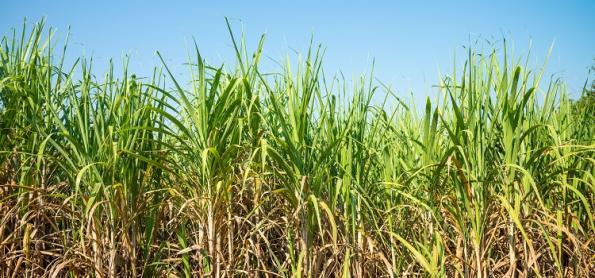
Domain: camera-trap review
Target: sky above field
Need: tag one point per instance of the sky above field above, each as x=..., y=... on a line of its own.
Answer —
x=411, y=43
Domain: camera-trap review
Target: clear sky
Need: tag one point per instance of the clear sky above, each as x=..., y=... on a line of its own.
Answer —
x=410, y=42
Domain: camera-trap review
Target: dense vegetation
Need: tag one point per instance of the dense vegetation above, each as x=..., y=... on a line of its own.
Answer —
x=241, y=173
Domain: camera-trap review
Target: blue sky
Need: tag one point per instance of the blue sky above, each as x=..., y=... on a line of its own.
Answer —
x=411, y=42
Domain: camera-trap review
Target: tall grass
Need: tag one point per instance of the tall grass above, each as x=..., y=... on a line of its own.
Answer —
x=243, y=173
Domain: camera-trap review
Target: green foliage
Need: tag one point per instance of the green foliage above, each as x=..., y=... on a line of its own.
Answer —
x=244, y=173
